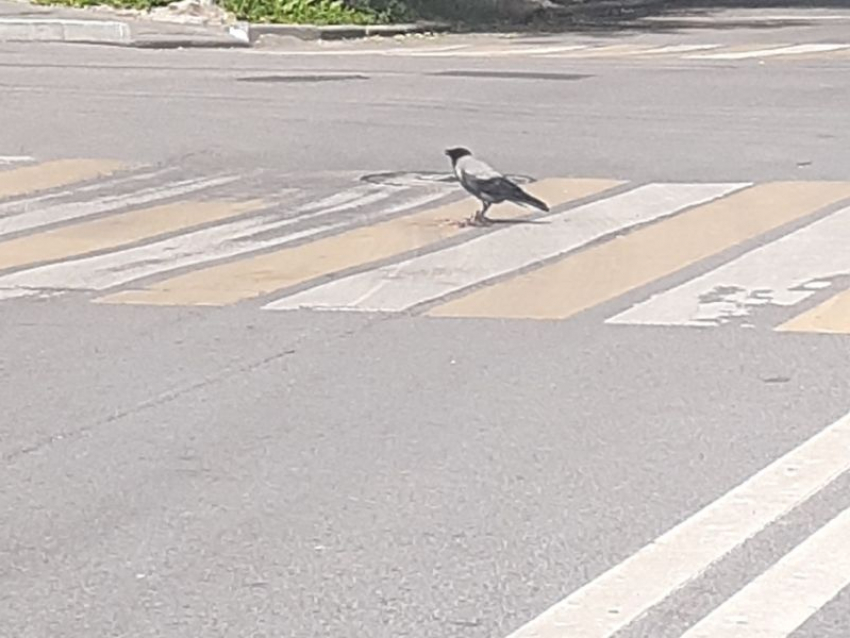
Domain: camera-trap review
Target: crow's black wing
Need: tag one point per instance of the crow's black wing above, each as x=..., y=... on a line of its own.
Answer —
x=498, y=189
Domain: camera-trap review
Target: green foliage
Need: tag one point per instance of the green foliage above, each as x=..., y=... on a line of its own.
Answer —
x=300, y=11
x=321, y=12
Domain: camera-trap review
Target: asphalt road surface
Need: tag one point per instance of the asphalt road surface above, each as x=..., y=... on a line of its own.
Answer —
x=256, y=381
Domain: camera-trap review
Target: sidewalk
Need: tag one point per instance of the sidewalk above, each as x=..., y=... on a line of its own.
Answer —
x=21, y=21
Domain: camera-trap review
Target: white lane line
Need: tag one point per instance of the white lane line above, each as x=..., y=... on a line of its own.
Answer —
x=228, y=240
x=615, y=599
x=400, y=286
x=770, y=52
x=781, y=273
x=43, y=216
x=779, y=601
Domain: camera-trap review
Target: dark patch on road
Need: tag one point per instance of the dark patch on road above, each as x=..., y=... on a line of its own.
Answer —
x=514, y=75
x=302, y=78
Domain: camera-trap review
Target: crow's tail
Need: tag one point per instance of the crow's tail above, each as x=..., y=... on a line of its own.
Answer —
x=525, y=198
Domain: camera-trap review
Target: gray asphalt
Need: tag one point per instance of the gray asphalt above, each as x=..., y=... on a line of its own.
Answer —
x=229, y=472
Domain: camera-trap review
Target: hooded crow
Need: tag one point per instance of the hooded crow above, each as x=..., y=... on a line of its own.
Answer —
x=487, y=184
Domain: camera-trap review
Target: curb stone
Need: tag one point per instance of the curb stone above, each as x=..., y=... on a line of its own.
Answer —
x=163, y=35
x=61, y=30
x=255, y=31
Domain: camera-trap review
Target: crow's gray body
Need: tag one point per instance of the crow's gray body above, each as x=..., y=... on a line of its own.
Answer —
x=487, y=184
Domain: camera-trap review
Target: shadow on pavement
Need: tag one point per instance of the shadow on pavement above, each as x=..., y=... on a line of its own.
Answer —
x=600, y=17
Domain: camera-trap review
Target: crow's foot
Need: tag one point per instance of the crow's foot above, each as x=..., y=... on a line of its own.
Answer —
x=475, y=221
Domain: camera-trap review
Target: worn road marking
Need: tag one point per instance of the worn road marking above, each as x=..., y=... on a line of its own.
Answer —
x=117, y=230
x=781, y=273
x=521, y=50
x=626, y=591
x=28, y=179
x=26, y=204
x=779, y=601
x=678, y=48
x=246, y=279
x=15, y=159
x=113, y=269
x=831, y=316
x=400, y=286
x=191, y=249
x=36, y=216
x=796, y=49
x=606, y=271
x=614, y=50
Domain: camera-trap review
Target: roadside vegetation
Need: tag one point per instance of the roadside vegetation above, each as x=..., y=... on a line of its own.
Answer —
x=322, y=12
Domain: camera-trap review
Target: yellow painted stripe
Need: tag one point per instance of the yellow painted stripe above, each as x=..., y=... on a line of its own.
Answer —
x=832, y=316
x=30, y=179
x=117, y=230
x=598, y=274
x=264, y=274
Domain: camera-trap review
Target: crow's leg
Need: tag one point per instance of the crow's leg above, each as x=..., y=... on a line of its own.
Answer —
x=481, y=215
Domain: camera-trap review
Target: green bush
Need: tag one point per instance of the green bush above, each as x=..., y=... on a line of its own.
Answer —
x=323, y=12
x=303, y=11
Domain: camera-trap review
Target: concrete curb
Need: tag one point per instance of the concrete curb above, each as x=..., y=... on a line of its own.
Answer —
x=253, y=32
x=61, y=30
x=155, y=35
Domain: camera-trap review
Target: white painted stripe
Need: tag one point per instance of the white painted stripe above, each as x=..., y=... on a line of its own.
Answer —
x=342, y=198
x=15, y=159
x=100, y=272
x=43, y=216
x=616, y=598
x=115, y=268
x=782, y=273
x=770, y=52
x=779, y=601
x=679, y=48
x=536, y=50
x=424, y=50
x=400, y=286
x=22, y=205
x=369, y=196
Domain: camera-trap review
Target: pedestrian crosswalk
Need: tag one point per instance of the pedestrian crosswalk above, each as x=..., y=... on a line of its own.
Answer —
x=769, y=255
x=517, y=48
x=773, y=604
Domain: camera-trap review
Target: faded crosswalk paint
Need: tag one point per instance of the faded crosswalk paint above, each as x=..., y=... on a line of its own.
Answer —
x=27, y=179
x=831, y=316
x=603, y=272
x=705, y=52
x=37, y=216
x=117, y=230
x=385, y=250
x=771, y=52
x=400, y=286
x=267, y=273
x=782, y=273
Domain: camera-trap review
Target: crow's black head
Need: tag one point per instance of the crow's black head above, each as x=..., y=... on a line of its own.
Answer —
x=457, y=153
